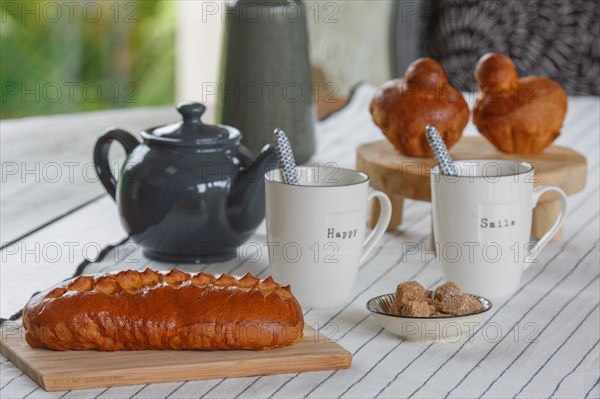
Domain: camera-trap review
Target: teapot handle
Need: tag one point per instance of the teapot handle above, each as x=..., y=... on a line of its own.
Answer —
x=101, y=155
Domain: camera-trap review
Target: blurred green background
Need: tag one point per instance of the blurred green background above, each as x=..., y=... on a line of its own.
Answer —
x=70, y=56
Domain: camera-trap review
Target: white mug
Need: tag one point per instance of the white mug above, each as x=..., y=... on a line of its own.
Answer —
x=316, y=231
x=482, y=224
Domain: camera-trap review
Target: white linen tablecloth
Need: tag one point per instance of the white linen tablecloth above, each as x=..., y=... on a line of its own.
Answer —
x=543, y=341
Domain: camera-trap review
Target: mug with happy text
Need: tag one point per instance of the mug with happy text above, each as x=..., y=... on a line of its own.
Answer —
x=316, y=231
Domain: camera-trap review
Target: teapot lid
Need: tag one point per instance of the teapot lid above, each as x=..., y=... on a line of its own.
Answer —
x=191, y=132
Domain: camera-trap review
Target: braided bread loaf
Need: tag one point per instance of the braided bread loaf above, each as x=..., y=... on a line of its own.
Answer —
x=134, y=310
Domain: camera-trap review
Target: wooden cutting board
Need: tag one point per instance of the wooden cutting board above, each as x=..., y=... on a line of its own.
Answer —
x=58, y=371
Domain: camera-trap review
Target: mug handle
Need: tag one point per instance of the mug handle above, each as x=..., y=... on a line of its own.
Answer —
x=537, y=193
x=380, y=228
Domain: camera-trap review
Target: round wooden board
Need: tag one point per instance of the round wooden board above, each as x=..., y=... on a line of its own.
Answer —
x=401, y=176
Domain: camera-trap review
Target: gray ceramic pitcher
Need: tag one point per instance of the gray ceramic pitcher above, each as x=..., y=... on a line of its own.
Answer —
x=265, y=74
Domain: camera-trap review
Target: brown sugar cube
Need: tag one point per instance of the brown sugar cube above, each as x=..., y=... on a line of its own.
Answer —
x=434, y=305
x=460, y=305
x=452, y=305
x=448, y=289
x=415, y=309
x=395, y=309
x=429, y=294
x=409, y=291
x=472, y=304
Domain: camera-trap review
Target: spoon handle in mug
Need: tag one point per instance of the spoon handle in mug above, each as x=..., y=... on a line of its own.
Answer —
x=285, y=156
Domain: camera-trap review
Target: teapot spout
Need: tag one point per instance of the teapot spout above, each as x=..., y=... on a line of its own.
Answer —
x=246, y=200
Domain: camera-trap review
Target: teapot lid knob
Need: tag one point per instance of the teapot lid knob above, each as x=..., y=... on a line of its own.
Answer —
x=191, y=112
x=192, y=126
x=191, y=131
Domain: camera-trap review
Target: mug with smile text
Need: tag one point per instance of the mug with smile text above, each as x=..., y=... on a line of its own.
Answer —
x=482, y=223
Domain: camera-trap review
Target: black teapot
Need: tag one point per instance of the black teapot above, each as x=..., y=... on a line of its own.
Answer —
x=190, y=192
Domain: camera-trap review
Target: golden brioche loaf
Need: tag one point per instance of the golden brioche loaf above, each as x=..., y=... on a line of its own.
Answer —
x=402, y=108
x=134, y=310
x=517, y=115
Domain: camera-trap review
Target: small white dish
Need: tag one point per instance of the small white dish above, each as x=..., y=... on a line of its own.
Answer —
x=423, y=329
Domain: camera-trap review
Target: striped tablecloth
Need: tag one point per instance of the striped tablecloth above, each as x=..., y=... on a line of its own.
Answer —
x=543, y=341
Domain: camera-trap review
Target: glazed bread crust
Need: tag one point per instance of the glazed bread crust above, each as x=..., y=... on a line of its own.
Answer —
x=135, y=310
x=517, y=115
x=402, y=108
